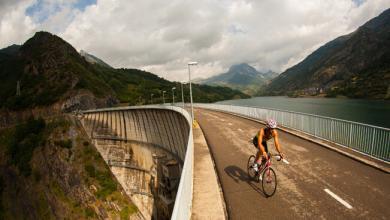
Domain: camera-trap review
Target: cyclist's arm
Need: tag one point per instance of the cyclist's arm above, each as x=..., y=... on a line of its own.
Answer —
x=277, y=145
x=260, y=140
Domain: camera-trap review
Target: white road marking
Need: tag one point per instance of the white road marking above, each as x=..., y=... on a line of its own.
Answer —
x=340, y=200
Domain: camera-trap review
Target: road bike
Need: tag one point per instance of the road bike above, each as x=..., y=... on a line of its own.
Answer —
x=265, y=174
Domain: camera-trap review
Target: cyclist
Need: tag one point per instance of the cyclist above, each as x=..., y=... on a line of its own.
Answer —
x=260, y=142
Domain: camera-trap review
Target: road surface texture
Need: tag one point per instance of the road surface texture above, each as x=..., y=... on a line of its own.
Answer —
x=308, y=188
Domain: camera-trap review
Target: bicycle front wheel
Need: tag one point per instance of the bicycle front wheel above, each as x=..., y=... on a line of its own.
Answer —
x=251, y=171
x=269, y=182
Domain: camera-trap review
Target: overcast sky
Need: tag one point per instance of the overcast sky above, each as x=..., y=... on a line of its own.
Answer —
x=163, y=36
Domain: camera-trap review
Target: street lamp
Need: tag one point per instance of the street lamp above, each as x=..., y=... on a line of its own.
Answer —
x=189, y=77
x=164, y=97
x=182, y=93
x=173, y=95
x=151, y=98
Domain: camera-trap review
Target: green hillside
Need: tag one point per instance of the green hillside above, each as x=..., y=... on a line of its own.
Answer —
x=356, y=65
x=51, y=71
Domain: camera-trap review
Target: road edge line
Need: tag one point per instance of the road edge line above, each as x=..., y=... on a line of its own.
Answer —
x=338, y=198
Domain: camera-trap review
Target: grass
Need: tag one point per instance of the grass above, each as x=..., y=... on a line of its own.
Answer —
x=89, y=212
x=106, y=181
x=107, y=184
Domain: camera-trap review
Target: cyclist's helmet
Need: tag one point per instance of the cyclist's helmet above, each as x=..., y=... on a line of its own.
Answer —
x=271, y=123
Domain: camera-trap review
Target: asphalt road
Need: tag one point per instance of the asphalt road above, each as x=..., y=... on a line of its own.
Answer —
x=301, y=184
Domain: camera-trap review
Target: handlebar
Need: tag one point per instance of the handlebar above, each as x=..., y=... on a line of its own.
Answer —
x=279, y=158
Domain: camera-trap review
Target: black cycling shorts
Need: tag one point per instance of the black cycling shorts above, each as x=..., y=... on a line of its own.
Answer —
x=264, y=143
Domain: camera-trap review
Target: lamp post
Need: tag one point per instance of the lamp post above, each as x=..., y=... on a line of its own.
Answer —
x=173, y=95
x=151, y=98
x=164, y=97
x=189, y=77
x=182, y=93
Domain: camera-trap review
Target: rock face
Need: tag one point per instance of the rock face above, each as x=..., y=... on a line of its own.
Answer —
x=86, y=100
x=355, y=65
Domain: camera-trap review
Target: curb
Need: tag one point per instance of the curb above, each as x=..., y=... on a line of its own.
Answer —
x=223, y=201
x=287, y=130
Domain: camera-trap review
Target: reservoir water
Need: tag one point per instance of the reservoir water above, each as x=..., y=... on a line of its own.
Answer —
x=373, y=112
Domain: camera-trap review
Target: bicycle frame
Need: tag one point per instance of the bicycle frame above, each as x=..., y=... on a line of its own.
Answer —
x=267, y=165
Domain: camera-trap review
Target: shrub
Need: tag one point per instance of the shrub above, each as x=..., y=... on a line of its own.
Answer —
x=26, y=138
x=64, y=143
x=90, y=169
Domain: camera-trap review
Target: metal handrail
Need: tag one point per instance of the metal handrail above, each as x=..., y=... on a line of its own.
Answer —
x=352, y=135
x=303, y=113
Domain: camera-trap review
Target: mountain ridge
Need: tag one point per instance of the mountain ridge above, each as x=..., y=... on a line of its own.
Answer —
x=354, y=65
x=242, y=77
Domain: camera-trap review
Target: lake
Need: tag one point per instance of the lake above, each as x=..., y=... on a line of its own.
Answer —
x=374, y=112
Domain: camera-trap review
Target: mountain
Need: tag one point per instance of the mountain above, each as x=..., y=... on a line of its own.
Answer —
x=50, y=72
x=355, y=65
x=242, y=77
x=93, y=60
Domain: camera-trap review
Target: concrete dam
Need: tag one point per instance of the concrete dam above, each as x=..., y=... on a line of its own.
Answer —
x=145, y=149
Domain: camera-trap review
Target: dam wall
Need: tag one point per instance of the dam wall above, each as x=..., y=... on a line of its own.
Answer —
x=149, y=150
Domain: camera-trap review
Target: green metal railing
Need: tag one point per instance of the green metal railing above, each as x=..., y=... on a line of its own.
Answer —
x=367, y=139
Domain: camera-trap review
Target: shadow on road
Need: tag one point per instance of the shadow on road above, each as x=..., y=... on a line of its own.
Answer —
x=237, y=174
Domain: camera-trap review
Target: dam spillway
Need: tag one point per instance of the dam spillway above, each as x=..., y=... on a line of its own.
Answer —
x=145, y=149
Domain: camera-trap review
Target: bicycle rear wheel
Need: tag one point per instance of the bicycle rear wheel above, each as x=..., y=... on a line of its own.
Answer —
x=269, y=182
x=251, y=171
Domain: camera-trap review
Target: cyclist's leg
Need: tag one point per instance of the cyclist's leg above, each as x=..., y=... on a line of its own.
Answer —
x=264, y=143
x=258, y=153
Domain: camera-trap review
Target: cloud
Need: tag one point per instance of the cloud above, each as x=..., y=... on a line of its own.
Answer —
x=15, y=27
x=162, y=36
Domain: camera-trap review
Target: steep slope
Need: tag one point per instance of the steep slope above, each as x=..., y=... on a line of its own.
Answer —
x=49, y=70
x=355, y=65
x=242, y=77
x=50, y=170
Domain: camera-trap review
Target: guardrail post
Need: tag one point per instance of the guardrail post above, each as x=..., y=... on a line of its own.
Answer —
x=331, y=130
x=350, y=135
x=372, y=142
